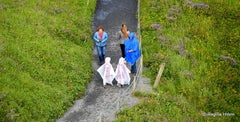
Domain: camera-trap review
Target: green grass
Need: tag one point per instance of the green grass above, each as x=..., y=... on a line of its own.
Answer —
x=45, y=50
x=196, y=80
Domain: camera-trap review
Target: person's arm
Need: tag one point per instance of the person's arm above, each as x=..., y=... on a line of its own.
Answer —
x=119, y=35
x=126, y=46
x=135, y=47
x=95, y=37
x=105, y=37
x=131, y=50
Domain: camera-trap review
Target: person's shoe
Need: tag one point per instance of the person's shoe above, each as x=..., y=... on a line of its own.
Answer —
x=119, y=85
x=132, y=74
x=101, y=63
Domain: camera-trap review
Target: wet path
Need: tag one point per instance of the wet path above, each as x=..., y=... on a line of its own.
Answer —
x=103, y=103
x=111, y=14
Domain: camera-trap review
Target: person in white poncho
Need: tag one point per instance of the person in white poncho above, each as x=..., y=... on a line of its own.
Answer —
x=122, y=73
x=106, y=71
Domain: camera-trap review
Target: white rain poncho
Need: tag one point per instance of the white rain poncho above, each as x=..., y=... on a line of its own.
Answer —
x=106, y=71
x=122, y=73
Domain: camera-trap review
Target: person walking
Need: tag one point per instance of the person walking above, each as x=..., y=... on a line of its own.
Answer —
x=132, y=52
x=100, y=37
x=122, y=73
x=107, y=72
x=123, y=35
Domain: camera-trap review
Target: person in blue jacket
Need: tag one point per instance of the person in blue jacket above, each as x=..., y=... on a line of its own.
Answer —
x=132, y=52
x=100, y=37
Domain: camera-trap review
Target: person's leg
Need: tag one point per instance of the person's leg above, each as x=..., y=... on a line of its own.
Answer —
x=99, y=50
x=122, y=46
x=103, y=52
x=123, y=51
x=134, y=69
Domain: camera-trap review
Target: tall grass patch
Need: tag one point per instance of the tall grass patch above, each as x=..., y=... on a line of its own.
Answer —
x=45, y=56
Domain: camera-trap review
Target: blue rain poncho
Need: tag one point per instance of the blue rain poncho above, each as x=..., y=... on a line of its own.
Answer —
x=132, y=44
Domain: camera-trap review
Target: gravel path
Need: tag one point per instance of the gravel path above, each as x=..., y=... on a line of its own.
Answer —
x=102, y=104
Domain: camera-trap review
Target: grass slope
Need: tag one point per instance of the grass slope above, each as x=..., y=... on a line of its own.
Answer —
x=45, y=55
x=200, y=47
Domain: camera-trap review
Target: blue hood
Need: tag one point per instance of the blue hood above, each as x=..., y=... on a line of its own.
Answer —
x=131, y=36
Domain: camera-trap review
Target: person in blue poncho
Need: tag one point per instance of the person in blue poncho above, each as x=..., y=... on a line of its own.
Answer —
x=132, y=52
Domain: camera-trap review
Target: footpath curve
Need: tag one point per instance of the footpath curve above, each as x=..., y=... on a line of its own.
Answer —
x=99, y=103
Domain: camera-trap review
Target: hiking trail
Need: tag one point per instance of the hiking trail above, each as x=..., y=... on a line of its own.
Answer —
x=99, y=103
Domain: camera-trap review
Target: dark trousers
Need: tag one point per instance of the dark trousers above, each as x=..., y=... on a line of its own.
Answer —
x=122, y=46
x=101, y=53
x=134, y=68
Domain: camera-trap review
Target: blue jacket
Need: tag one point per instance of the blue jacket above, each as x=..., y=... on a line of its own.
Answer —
x=132, y=44
x=104, y=39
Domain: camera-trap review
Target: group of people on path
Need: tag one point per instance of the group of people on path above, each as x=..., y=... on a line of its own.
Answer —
x=129, y=46
x=108, y=74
